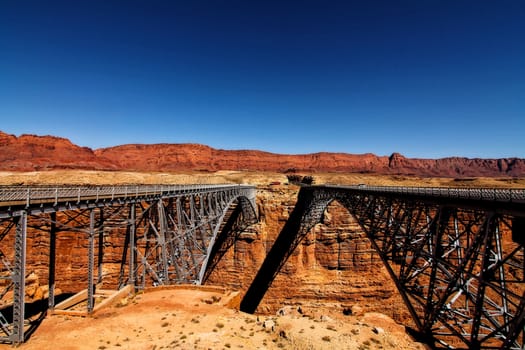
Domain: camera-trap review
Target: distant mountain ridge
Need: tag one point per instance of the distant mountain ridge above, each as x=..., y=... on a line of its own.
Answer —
x=32, y=152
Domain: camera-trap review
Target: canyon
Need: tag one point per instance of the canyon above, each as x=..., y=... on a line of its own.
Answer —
x=333, y=271
x=33, y=153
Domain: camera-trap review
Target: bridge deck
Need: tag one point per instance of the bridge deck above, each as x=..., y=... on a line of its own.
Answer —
x=57, y=198
x=498, y=200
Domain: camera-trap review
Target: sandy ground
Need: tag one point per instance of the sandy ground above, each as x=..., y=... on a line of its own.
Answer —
x=76, y=177
x=199, y=319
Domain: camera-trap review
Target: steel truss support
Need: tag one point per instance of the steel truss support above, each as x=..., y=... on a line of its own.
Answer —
x=175, y=237
x=91, y=262
x=459, y=270
x=17, y=335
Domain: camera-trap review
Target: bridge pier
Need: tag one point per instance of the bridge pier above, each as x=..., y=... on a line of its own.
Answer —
x=19, y=278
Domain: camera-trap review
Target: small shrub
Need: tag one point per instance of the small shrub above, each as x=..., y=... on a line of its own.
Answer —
x=307, y=180
x=326, y=338
x=219, y=325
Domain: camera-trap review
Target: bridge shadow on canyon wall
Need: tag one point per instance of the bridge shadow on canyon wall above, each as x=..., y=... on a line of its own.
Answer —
x=291, y=234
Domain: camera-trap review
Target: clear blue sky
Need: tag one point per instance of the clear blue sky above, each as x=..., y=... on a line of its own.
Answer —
x=425, y=78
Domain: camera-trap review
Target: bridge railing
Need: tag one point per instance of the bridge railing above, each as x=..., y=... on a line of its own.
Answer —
x=30, y=194
x=489, y=194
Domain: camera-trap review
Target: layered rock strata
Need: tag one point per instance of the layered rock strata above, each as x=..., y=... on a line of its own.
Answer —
x=30, y=152
x=333, y=269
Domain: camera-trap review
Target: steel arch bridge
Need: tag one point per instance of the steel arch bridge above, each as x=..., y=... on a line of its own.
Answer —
x=168, y=231
x=455, y=255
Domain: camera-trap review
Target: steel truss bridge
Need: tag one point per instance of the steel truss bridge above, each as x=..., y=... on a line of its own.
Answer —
x=169, y=232
x=455, y=255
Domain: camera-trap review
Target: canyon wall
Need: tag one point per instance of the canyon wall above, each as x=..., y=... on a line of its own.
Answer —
x=333, y=270
x=30, y=152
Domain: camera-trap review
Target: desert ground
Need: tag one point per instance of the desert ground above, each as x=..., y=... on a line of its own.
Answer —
x=193, y=318
x=84, y=177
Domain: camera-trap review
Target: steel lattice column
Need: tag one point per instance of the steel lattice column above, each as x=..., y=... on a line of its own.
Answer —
x=91, y=262
x=17, y=335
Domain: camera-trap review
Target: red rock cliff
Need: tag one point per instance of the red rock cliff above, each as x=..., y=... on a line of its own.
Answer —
x=30, y=152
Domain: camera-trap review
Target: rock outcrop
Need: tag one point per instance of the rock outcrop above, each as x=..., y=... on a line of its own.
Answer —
x=30, y=152
x=334, y=269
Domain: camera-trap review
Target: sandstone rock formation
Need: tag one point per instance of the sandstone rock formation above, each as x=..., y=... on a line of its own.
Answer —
x=334, y=269
x=30, y=152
